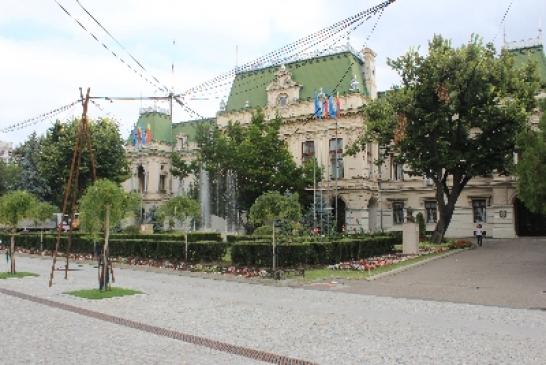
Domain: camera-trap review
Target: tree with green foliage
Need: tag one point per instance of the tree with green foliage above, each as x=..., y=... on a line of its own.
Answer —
x=179, y=209
x=274, y=208
x=10, y=176
x=57, y=148
x=255, y=156
x=454, y=117
x=16, y=206
x=531, y=167
x=27, y=157
x=42, y=212
x=102, y=207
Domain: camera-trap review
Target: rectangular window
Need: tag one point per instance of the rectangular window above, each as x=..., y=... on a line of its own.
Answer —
x=397, y=171
x=431, y=210
x=307, y=151
x=162, y=179
x=398, y=212
x=336, y=153
x=479, y=210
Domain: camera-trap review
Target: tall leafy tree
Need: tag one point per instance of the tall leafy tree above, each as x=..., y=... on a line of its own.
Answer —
x=16, y=206
x=57, y=148
x=531, y=167
x=10, y=176
x=27, y=157
x=454, y=117
x=255, y=156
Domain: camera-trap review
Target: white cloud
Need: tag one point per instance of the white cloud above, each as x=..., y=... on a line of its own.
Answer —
x=46, y=56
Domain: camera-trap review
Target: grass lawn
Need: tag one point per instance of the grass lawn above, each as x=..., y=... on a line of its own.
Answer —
x=327, y=274
x=97, y=294
x=21, y=274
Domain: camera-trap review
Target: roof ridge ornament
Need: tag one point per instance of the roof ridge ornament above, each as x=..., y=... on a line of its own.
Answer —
x=354, y=84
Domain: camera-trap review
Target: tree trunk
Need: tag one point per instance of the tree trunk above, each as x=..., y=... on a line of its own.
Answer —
x=446, y=213
x=446, y=208
x=105, y=250
x=12, y=253
x=274, y=262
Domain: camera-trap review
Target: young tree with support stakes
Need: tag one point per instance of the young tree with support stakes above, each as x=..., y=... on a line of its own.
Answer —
x=179, y=209
x=272, y=207
x=15, y=207
x=42, y=212
x=455, y=116
x=102, y=207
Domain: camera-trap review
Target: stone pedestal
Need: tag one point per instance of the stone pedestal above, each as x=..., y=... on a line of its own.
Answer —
x=146, y=228
x=410, y=238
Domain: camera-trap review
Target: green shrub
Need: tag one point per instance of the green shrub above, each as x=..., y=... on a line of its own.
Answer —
x=263, y=231
x=170, y=247
x=291, y=254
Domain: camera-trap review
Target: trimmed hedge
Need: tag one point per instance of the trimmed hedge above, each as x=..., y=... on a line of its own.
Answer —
x=166, y=249
x=258, y=253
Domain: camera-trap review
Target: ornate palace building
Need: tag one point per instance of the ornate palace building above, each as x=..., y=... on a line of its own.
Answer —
x=363, y=196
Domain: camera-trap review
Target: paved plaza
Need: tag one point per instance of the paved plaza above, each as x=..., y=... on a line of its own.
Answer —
x=506, y=273
x=202, y=321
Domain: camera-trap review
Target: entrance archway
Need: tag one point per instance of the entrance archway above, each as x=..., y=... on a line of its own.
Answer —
x=372, y=215
x=528, y=223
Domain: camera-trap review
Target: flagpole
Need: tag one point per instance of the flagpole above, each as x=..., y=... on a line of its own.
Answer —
x=336, y=177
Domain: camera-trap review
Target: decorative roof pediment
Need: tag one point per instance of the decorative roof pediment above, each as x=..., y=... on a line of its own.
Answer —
x=282, y=81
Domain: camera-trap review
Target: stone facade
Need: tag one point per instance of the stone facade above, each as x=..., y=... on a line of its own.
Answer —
x=368, y=198
x=372, y=198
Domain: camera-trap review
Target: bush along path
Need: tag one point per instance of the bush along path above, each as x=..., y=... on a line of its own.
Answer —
x=246, y=256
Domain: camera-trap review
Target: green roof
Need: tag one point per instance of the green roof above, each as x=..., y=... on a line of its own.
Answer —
x=159, y=123
x=324, y=72
x=189, y=128
x=535, y=54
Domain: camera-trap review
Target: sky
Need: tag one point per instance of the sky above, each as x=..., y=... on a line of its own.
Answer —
x=45, y=56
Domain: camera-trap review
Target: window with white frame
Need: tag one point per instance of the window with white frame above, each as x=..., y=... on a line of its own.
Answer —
x=398, y=212
x=336, y=158
x=307, y=151
x=397, y=171
x=479, y=210
x=431, y=210
x=282, y=101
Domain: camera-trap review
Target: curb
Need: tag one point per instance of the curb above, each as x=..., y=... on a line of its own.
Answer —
x=411, y=266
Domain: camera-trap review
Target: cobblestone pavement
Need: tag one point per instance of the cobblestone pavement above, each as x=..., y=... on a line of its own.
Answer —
x=507, y=273
x=317, y=326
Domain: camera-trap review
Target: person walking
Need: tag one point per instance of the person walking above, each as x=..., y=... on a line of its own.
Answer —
x=479, y=234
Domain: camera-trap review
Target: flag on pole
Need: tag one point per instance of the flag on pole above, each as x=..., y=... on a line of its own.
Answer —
x=338, y=104
x=325, y=113
x=143, y=136
x=139, y=135
x=134, y=136
x=148, y=134
x=333, y=110
x=318, y=108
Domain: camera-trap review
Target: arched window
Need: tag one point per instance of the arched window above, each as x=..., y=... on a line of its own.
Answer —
x=282, y=100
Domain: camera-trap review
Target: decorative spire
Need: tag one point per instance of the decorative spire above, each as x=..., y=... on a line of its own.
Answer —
x=247, y=104
x=222, y=105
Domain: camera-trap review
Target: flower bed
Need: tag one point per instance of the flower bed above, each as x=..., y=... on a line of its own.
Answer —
x=373, y=263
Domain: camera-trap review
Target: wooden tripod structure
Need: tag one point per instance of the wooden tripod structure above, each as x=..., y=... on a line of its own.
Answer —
x=83, y=139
